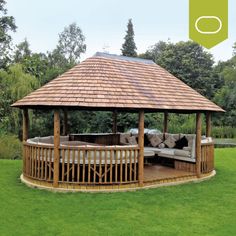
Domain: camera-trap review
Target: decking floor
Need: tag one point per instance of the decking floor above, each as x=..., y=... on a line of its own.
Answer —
x=157, y=172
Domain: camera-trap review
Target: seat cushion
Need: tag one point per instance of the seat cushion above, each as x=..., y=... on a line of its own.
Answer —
x=187, y=148
x=182, y=153
x=167, y=151
x=153, y=149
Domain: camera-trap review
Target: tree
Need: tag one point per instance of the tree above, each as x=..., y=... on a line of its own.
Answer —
x=57, y=59
x=36, y=64
x=155, y=51
x=234, y=49
x=71, y=43
x=15, y=84
x=188, y=62
x=226, y=96
x=128, y=47
x=22, y=51
x=7, y=23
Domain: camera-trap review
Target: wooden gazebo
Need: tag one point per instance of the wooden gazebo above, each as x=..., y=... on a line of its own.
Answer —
x=108, y=82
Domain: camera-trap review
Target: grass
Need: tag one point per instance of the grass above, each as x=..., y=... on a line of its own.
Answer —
x=206, y=208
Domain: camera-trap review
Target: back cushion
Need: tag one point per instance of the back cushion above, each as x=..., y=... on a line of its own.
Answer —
x=64, y=138
x=175, y=136
x=155, y=140
x=47, y=139
x=124, y=138
x=132, y=140
x=170, y=141
x=157, y=137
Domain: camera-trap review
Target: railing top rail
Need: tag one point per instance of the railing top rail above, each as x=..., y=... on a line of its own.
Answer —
x=49, y=146
x=89, y=147
x=207, y=144
x=99, y=148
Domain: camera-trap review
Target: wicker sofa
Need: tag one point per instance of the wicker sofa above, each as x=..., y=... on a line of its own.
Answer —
x=186, y=153
x=164, y=144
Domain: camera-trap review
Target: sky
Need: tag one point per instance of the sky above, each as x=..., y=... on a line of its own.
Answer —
x=104, y=23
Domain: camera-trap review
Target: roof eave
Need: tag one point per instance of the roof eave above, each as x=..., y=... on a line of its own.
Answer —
x=103, y=108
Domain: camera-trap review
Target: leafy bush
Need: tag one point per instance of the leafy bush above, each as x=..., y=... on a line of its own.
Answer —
x=223, y=132
x=10, y=147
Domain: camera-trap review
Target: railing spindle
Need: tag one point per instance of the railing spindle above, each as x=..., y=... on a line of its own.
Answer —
x=84, y=165
x=46, y=161
x=116, y=165
x=126, y=168
x=38, y=163
x=68, y=165
x=73, y=165
x=94, y=167
x=63, y=164
x=89, y=167
x=105, y=171
x=100, y=166
x=111, y=164
x=121, y=165
x=130, y=164
x=50, y=165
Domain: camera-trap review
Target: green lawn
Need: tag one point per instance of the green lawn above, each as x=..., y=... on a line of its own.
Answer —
x=206, y=208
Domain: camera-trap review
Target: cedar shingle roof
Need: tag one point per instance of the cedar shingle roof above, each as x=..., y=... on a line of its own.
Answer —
x=107, y=81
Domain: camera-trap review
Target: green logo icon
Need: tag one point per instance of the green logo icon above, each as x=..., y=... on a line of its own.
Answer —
x=208, y=21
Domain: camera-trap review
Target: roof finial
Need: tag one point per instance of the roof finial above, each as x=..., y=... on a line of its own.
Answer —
x=105, y=48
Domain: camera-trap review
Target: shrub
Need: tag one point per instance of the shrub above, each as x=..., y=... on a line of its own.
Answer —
x=10, y=147
x=223, y=132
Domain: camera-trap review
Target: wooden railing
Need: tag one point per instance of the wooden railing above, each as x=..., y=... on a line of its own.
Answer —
x=38, y=161
x=207, y=157
x=82, y=165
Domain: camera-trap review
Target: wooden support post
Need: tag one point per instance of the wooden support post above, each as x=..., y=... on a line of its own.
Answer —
x=141, y=148
x=114, y=117
x=208, y=124
x=25, y=134
x=65, y=122
x=25, y=125
x=56, y=147
x=165, y=128
x=198, y=144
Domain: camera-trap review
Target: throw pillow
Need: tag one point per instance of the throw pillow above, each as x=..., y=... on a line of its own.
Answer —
x=146, y=140
x=162, y=145
x=124, y=138
x=183, y=142
x=155, y=140
x=132, y=140
x=170, y=142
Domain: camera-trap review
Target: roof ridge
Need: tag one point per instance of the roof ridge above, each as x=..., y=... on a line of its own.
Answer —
x=123, y=58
